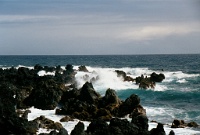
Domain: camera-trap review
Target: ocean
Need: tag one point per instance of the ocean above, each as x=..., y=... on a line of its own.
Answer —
x=177, y=97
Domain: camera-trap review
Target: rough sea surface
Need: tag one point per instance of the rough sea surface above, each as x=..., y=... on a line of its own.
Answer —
x=177, y=97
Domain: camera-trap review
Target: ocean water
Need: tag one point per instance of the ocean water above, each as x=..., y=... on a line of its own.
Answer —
x=177, y=97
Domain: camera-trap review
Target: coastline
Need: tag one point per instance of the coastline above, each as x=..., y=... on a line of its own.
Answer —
x=37, y=70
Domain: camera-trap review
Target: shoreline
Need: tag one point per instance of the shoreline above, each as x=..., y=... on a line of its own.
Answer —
x=24, y=85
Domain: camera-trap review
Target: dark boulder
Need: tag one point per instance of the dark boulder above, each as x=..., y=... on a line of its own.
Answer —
x=74, y=93
x=47, y=123
x=159, y=130
x=124, y=126
x=192, y=124
x=157, y=77
x=124, y=76
x=103, y=114
x=66, y=119
x=68, y=75
x=171, y=132
x=129, y=105
x=120, y=74
x=139, y=79
x=138, y=110
x=88, y=94
x=82, y=68
x=178, y=124
x=146, y=84
x=63, y=131
x=141, y=121
x=21, y=94
x=25, y=114
x=45, y=95
x=84, y=115
x=69, y=68
x=78, y=129
x=98, y=127
x=38, y=67
x=109, y=98
x=129, y=79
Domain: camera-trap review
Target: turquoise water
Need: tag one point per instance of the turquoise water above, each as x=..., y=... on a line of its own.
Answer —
x=178, y=96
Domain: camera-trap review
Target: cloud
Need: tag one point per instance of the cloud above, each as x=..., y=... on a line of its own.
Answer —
x=25, y=18
x=150, y=32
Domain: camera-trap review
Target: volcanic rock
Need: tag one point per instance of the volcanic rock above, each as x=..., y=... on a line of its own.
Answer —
x=78, y=129
x=159, y=130
x=157, y=77
x=128, y=105
x=82, y=68
x=88, y=94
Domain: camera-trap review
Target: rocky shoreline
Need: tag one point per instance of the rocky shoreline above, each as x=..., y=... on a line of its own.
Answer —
x=23, y=88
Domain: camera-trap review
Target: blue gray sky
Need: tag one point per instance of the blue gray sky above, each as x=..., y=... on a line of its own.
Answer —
x=91, y=27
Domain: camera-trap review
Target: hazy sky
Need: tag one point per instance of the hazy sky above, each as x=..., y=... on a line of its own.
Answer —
x=73, y=27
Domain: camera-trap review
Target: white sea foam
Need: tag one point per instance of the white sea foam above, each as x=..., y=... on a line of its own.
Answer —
x=181, y=81
x=178, y=75
x=162, y=114
x=29, y=67
x=43, y=73
x=107, y=78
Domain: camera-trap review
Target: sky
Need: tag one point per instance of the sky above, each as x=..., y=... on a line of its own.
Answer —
x=99, y=27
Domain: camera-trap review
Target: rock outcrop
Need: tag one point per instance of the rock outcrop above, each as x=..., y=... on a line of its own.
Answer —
x=149, y=82
x=182, y=124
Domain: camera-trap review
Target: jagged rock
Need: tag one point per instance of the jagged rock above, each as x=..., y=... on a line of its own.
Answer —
x=66, y=119
x=103, y=114
x=46, y=95
x=74, y=93
x=128, y=105
x=10, y=123
x=25, y=114
x=21, y=95
x=47, y=123
x=78, y=129
x=121, y=74
x=88, y=94
x=98, y=127
x=82, y=68
x=192, y=124
x=146, y=83
x=109, y=98
x=124, y=76
x=141, y=121
x=178, y=124
x=56, y=126
x=63, y=131
x=159, y=130
x=129, y=79
x=138, y=110
x=124, y=126
x=157, y=77
x=38, y=67
x=139, y=79
x=69, y=68
x=84, y=115
x=171, y=132
x=149, y=82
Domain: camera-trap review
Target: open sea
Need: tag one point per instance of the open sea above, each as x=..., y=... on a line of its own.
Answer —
x=177, y=97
